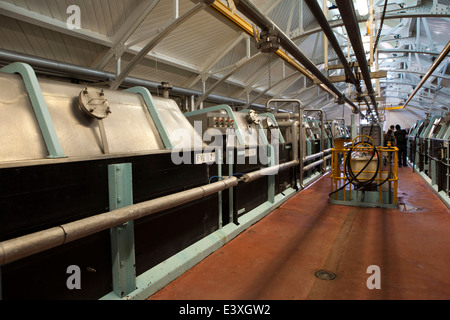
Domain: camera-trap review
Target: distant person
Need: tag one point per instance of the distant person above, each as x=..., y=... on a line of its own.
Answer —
x=401, y=137
x=393, y=135
x=390, y=137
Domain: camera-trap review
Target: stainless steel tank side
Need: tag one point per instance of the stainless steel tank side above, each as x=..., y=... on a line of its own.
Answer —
x=181, y=132
x=129, y=128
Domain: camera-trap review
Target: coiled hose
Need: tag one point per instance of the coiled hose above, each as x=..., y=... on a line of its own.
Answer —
x=350, y=175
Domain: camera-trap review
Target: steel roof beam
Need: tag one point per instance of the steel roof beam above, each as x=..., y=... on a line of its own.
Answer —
x=153, y=43
x=125, y=32
x=254, y=14
x=436, y=63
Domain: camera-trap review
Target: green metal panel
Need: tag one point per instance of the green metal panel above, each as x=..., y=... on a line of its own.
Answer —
x=271, y=178
x=433, y=172
x=308, y=147
x=426, y=131
x=151, y=106
x=444, y=133
x=39, y=106
x=122, y=237
x=219, y=173
x=230, y=162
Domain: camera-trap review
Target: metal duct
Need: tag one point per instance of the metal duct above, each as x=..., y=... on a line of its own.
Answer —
x=252, y=12
x=347, y=10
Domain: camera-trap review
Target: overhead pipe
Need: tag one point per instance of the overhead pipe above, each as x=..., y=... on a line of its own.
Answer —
x=84, y=73
x=285, y=124
x=323, y=22
x=347, y=10
x=434, y=66
x=252, y=12
x=285, y=116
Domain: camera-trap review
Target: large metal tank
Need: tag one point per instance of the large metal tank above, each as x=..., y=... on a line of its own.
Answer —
x=246, y=140
x=41, y=190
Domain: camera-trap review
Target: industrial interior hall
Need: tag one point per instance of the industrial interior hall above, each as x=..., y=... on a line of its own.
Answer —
x=230, y=150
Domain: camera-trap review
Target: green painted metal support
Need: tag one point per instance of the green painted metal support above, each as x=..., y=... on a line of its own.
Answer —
x=230, y=162
x=219, y=173
x=122, y=237
x=151, y=106
x=271, y=178
x=159, y=276
x=433, y=172
x=39, y=106
x=308, y=148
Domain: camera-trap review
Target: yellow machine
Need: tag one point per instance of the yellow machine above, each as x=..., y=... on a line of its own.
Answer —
x=363, y=174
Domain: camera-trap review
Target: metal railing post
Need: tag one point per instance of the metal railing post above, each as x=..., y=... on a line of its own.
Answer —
x=122, y=237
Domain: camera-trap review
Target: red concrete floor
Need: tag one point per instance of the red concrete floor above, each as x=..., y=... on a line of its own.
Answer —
x=276, y=259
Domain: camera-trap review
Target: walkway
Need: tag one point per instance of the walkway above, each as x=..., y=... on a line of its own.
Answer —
x=277, y=258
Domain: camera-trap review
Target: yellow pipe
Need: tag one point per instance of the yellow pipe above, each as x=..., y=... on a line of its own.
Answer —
x=237, y=20
x=393, y=108
x=246, y=27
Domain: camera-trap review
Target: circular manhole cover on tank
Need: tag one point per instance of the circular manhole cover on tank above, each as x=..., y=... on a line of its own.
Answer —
x=325, y=275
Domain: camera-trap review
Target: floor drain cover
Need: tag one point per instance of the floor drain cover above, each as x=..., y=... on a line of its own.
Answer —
x=325, y=275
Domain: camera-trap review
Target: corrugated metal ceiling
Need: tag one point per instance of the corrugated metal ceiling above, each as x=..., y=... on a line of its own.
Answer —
x=195, y=50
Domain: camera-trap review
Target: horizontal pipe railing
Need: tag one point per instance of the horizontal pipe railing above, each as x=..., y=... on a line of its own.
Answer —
x=22, y=247
x=316, y=155
x=268, y=171
x=315, y=164
x=312, y=165
x=25, y=246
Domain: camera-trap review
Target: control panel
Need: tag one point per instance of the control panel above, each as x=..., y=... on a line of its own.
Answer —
x=212, y=120
x=219, y=120
x=375, y=132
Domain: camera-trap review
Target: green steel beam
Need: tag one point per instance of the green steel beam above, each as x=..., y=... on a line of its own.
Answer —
x=122, y=237
x=39, y=106
x=159, y=276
